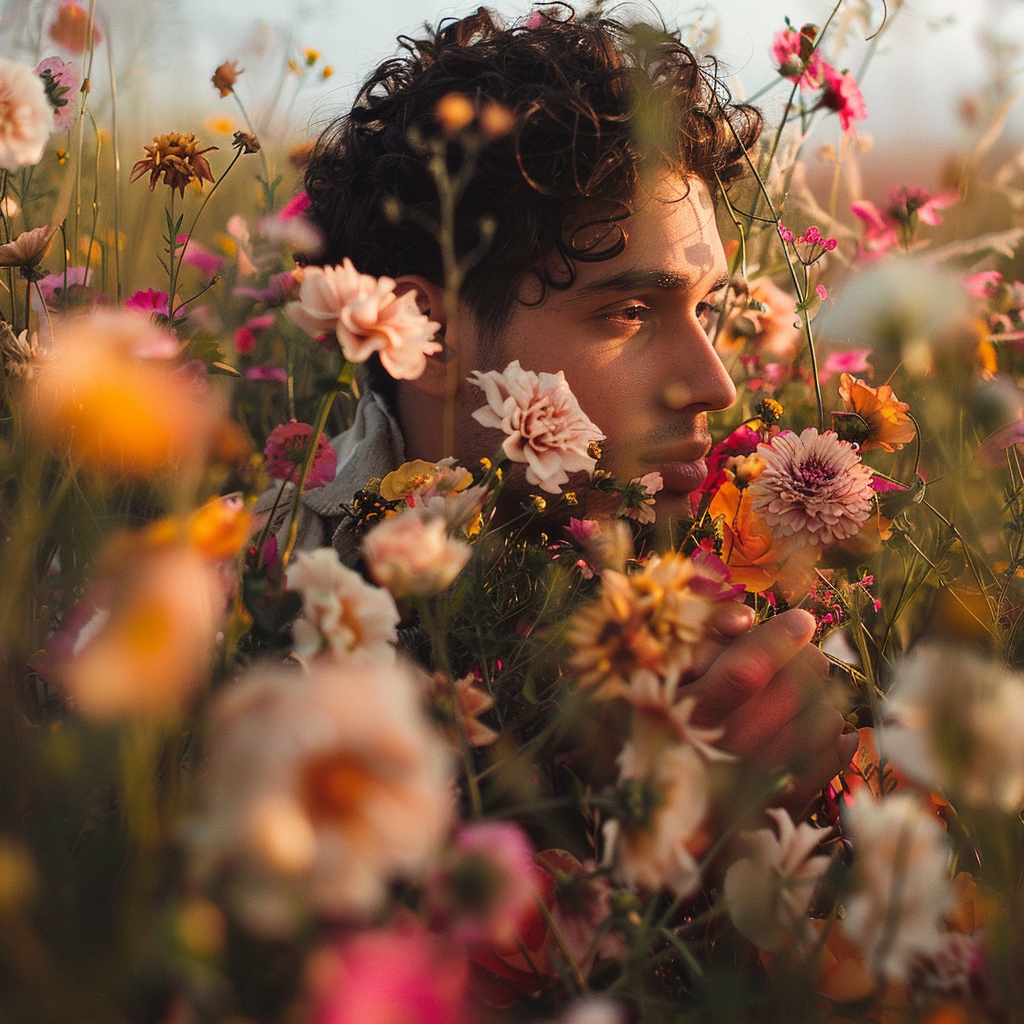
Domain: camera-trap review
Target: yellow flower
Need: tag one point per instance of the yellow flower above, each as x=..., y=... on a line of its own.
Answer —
x=885, y=417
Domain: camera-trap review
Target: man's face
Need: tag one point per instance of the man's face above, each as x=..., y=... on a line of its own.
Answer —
x=631, y=337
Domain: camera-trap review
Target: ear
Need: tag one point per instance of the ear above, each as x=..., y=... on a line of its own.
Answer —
x=434, y=381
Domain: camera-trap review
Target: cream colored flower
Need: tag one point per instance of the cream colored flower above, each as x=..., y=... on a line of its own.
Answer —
x=648, y=621
x=813, y=489
x=367, y=316
x=412, y=555
x=340, y=610
x=26, y=117
x=20, y=354
x=954, y=721
x=768, y=892
x=544, y=425
x=322, y=787
x=902, y=889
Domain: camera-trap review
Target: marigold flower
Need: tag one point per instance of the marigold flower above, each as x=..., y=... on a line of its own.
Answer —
x=340, y=610
x=225, y=76
x=814, y=489
x=884, y=416
x=322, y=787
x=177, y=158
x=367, y=316
x=650, y=620
x=544, y=425
x=842, y=94
x=26, y=117
x=769, y=891
x=287, y=449
x=71, y=28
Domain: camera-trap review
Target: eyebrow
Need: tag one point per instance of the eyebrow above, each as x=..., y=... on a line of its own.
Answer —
x=646, y=280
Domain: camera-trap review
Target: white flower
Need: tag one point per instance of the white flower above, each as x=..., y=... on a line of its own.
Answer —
x=768, y=892
x=902, y=888
x=26, y=117
x=339, y=608
x=321, y=788
x=367, y=317
x=544, y=424
x=412, y=555
x=954, y=721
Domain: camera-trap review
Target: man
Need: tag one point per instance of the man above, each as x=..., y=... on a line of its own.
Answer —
x=589, y=156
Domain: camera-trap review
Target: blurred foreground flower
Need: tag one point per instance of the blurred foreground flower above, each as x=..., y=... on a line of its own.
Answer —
x=322, y=787
x=367, y=316
x=26, y=117
x=178, y=158
x=543, y=423
x=71, y=28
x=111, y=396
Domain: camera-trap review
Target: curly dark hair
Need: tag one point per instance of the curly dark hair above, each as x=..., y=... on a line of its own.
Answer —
x=597, y=106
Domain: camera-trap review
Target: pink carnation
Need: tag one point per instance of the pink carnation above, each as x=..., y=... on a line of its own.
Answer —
x=814, y=489
x=842, y=94
x=544, y=424
x=367, y=316
x=286, y=451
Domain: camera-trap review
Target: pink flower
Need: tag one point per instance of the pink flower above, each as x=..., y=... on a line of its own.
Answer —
x=842, y=94
x=983, y=285
x=796, y=58
x=298, y=204
x=207, y=263
x=638, y=498
x=821, y=291
x=382, y=977
x=27, y=118
x=367, y=316
x=854, y=361
x=61, y=82
x=286, y=451
x=245, y=336
x=410, y=555
x=814, y=489
x=278, y=374
x=544, y=424
x=149, y=301
x=61, y=292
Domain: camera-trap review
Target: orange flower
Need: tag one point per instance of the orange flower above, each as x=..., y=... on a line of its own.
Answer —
x=884, y=417
x=225, y=76
x=766, y=318
x=71, y=26
x=178, y=158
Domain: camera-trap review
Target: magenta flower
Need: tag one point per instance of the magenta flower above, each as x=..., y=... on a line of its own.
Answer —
x=842, y=94
x=796, y=57
x=61, y=82
x=295, y=206
x=983, y=285
x=149, y=301
x=814, y=488
x=898, y=222
x=286, y=451
x=265, y=372
x=207, y=263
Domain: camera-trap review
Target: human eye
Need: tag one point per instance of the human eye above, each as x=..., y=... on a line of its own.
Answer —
x=633, y=314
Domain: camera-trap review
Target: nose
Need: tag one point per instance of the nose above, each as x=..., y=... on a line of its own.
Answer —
x=697, y=379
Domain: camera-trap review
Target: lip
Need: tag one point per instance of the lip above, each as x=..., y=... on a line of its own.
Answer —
x=682, y=477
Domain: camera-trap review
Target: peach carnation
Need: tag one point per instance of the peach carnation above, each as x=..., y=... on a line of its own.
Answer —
x=813, y=489
x=544, y=424
x=367, y=316
x=26, y=117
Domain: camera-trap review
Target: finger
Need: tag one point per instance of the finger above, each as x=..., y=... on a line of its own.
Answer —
x=746, y=666
x=729, y=619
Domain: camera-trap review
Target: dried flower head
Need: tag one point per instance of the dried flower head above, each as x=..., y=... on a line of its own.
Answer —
x=225, y=76
x=813, y=489
x=177, y=158
x=246, y=142
x=26, y=117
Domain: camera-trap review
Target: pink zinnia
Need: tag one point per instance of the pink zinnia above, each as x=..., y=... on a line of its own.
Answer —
x=286, y=451
x=842, y=94
x=814, y=489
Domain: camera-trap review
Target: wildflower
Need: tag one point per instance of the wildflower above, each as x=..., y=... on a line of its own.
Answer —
x=420, y=480
x=149, y=301
x=902, y=889
x=225, y=76
x=246, y=142
x=854, y=361
x=543, y=423
x=898, y=221
x=454, y=112
x=842, y=94
x=65, y=291
x=367, y=316
x=195, y=255
x=768, y=891
x=955, y=723
x=111, y=396
x=486, y=886
x=883, y=418
x=385, y=976
x=638, y=497
x=650, y=620
x=71, y=28
x=61, y=83
x=177, y=158
x=765, y=318
x=984, y=285
x=322, y=787
x=413, y=556
x=20, y=354
x=340, y=610
x=813, y=490
x=26, y=117
x=797, y=57
x=458, y=704
x=286, y=452
x=496, y=120
x=28, y=249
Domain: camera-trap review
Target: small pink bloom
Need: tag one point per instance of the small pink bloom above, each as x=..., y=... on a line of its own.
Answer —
x=821, y=291
x=265, y=372
x=785, y=233
x=534, y=20
x=855, y=361
x=61, y=81
x=583, y=531
x=245, y=336
x=367, y=316
x=286, y=451
x=207, y=263
x=149, y=301
x=880, y=485
x=544, y=425
x=983, y=285
x=791, y=51
x=880, y=233
x=842, y=94
x=298, y=204
x=990, y=453
x=641, y=507
x=280, y=288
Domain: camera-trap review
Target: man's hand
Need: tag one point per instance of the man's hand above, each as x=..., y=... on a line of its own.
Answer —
x=767, y=688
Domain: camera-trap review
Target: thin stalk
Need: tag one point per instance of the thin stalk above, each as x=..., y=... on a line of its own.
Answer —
x=117, y=172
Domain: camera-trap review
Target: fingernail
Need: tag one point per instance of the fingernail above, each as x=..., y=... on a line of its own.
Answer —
x=799, y=623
